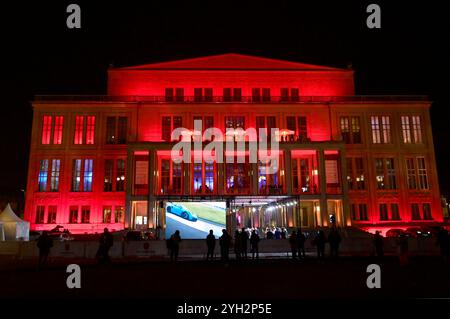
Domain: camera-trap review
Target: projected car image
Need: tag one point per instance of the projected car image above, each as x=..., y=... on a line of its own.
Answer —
x=194, y=220
x=180, y=210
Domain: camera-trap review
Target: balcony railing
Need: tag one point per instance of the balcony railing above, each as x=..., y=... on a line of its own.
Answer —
x=225, y=99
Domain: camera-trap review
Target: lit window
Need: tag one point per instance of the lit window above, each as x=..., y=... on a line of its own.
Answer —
x=87, y=180
x=417, y=173
x=120, y=176
x=119, y=214
x=40, y=214
x=381, y=129
x=385, y=173
x=54, y=178
x=107, y=214
x=422, y=173
x=350, y=129
x=51, y=216
x=73, y=216
x=58, y=131
x=42, y=177
x=82, y=175
x=85, y=214
x=46, y=129
x=84, y=130
x=411, y=129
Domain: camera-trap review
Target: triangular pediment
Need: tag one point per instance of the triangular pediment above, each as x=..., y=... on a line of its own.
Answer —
x=231, y=61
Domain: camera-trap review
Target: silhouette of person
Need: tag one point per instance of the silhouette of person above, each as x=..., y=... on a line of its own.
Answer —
x=106, y=241
x=403, y=249
x=44, y=243
x=175, y=240
x=301, y=243
x=211, y=244
x=378, y=243
x=320, y=241
x=237, y=244
x=244, y=240
x=254, y=242
x=334, y=238
x=269, y=234
x=224, y=242
x=294, y=244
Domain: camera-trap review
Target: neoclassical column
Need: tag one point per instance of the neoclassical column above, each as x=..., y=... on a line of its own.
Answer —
x=323, y=190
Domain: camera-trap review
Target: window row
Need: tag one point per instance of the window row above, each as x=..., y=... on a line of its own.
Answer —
x=82, y=175
x=390, y=211
x=84, y=130
x=233, y=95
x=79, y=215
x=381, y=129
x=386, y=173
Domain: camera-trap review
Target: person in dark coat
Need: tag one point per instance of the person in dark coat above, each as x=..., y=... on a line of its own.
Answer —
x=254, y=242
x=277, y=233
x=301, y=243
x=237, y=244
x=244, y=241
x=106, y=241
x=224, y=242
x=334, y=238
x=294, y=244
x=175, y=240
x=44, y=243
x=210, y=244
x=378, y=243
x=269, y=234
x=444, y=243
x=319, y=241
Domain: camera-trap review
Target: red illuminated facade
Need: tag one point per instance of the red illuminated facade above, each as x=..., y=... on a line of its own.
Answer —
x=104, y=161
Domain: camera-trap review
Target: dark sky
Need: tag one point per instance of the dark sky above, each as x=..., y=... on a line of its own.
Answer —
x=40, y=55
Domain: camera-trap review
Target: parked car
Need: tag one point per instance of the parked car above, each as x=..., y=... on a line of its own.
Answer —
x=181, y=211
x=423, y=232
x=394, y=232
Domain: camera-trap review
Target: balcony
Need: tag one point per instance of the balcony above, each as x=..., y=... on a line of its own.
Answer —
x=228, y=99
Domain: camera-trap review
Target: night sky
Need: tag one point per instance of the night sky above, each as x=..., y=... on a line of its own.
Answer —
x=40, y=55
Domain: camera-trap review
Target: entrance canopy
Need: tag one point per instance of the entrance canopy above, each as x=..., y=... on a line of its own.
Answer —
x=14, y=228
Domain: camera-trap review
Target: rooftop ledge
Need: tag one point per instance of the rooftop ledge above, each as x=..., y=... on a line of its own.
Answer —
x=222, y=99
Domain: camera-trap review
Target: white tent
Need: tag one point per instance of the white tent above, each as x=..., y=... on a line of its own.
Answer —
x=14, y=228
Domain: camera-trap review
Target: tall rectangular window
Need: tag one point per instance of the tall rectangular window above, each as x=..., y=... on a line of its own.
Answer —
x=411, y=172
x=381, y=129
x=116, y=130
x=87, y=177
x=170, y=123
x=415, y=212
x=79, y=128
x=46, y=129
x=235, y=122
x=426, y=207
x=356, y=173
x=85, y=214
x=82, y=173
x=108, y=180
x=350, y=129
x=107, y=214
x=51, y=215
x=54, y=177
x=384, y=212
x=40, y=214
x=363, y=212
x=73, y=214
x=119, y=214
x=58, y=130
x=422, y=173
x=395, y=214
x=256, y=94
x=42, y=177
x=385, y=173
x=84, y=129
x=120, y=175
x=411, y=129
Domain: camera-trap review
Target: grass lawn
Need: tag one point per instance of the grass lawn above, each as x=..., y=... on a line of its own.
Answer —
x=207, y=212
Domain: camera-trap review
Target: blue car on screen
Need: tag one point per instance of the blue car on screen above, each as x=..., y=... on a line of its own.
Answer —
x=181, y=211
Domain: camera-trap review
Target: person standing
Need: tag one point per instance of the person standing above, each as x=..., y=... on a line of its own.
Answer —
x=294, y=244
x=237, y=244
x=175, y=240
x=211, y=244
x=224, y=242
x=320, y=241
x=244, y=240
x=44, y=243
x=301, y=243
x=254, y=242
x=379, y=244
x=334, y=238
x=105, y=243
